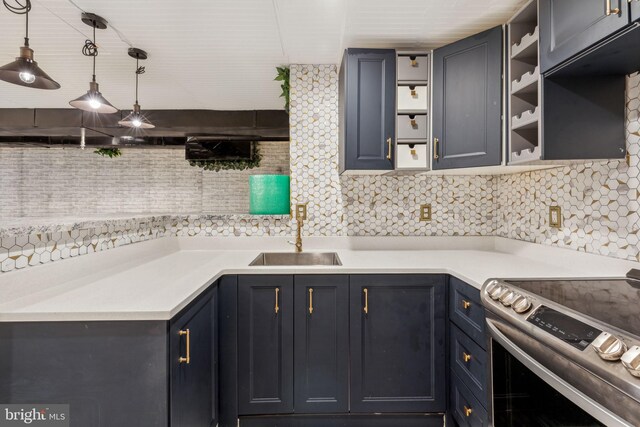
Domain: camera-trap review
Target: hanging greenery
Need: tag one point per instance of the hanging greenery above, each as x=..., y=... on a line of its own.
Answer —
x=283, y=76
x=109, y=152
x=240, y=165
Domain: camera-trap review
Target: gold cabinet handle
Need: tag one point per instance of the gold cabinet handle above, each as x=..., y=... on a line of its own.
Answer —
x=414, y=61
x=366, y=300
x=277, y=308
x=466, y=304
x=467, y=411
x=609, y=11
x=413, y=91
x=310, y=300
x=414, y=124
x=186, y=359
x=390, y=144
x=435, y=148
x=466, y=357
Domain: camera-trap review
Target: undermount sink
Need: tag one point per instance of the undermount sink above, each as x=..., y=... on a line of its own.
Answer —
x=297, y=258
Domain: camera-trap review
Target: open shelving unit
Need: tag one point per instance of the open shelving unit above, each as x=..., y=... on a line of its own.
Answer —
x=524, y=86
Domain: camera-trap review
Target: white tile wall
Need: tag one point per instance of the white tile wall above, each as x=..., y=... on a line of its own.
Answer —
x=600, y=201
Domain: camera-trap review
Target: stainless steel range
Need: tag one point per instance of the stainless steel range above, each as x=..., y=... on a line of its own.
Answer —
x=564, y=352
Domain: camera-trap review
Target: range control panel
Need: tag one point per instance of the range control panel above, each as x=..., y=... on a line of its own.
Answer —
x=563, y=327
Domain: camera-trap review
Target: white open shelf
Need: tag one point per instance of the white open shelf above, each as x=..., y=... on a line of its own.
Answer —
x=527, y=47
x=526, y=155
x=527, y=83
x=527, y=120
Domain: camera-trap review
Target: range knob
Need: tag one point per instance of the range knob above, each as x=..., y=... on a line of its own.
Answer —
x=507, y=298
x=521, y=304
x=631, y=360
x=491, y=286
x=609, y=347
x=496, y=291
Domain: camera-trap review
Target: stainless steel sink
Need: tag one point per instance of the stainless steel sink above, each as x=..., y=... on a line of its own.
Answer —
x=297, y=258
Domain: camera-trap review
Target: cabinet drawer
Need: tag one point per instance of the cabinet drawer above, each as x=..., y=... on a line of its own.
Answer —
x=412, y=126
x=412, y=98
x=469, y=362
x=466, y=310
x=411, y=156
x=413, y=68
x=467, y=411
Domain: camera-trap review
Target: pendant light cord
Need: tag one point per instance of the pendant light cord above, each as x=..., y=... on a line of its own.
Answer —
x=91, y=49
x=20, y=8
x=139, y=70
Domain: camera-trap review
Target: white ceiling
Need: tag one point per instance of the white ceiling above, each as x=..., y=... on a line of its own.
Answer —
x=220, y=54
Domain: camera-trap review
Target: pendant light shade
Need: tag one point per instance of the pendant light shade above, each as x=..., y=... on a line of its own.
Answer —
x=93, y=101
x=135, y=119
x=24, y=71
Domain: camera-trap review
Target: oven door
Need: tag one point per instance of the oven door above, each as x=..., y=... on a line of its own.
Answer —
x=527, y=393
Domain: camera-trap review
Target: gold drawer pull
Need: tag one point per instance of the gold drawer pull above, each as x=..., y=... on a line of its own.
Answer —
x=466, y=304
x=414, y=61
x=187, y=359
x=467, y=411
x=609, y=11
x=466, y=357
x=310, y=300
x=414, y=124
x=277, y=308
x=414, y=93
x=390, y=143
x=366, y=300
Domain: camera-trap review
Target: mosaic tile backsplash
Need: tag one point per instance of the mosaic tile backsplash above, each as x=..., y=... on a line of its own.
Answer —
x=600, y=202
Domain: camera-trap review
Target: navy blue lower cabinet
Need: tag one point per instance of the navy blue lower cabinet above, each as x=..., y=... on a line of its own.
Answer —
x=321, y=362
x=192, y=364
x=398, y=343
x=469, y=362
x=116, y=373
x=265, y=345
x=466, y=310
x=465, y=408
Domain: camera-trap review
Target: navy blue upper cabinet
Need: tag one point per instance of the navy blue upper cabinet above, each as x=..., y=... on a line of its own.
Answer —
x=398, y=343
x=265, y=345
x=467, y=102
x=321, y=344
x=193, y=377
x=568, y=27
x=367, y=109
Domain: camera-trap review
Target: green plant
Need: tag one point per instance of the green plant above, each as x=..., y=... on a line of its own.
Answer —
x=109, y=152
x=240, y=165
x=283, y=76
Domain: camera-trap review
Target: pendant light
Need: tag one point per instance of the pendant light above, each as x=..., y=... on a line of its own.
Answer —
x=24, y=71
x=93, y=100
x=135, y=119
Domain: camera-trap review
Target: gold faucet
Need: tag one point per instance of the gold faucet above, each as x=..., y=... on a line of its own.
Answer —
x=301, y=215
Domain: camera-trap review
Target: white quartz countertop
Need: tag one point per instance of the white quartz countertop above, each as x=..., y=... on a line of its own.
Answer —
x=154, y=280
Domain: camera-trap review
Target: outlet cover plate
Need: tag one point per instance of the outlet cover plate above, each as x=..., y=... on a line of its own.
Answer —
x=425, y=212
x=555, y=217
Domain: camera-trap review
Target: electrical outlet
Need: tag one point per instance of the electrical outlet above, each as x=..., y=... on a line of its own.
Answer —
x=425, y=212
x=301, y=211
x=555, y=217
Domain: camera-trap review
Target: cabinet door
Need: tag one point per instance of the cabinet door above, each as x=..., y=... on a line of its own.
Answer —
x=398, y=343
x=368, y=109
x=467, y=102
x=192, y=365
x=265, y=345
x=568, y=27
x=321, y=344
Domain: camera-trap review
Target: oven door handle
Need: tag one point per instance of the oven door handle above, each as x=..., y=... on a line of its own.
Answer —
x=583, y=401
